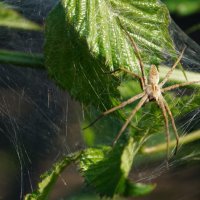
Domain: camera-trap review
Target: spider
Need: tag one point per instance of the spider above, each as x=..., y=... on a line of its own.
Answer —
x=152, y=91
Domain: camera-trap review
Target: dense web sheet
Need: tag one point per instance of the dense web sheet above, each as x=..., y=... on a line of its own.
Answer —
x=39, y=122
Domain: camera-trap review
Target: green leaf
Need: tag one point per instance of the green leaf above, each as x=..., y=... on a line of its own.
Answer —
x=49, y=178
x=106, y=170
x=12, y=19
x=84, y=39
x=139, y=189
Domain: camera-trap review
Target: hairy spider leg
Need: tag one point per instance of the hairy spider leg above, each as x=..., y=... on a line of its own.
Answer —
x=172, y=69
x=124, y=70
x=128, y=72
x=178, y=85
x=173, y=125
x=139, y=105
x=144, y=81
x=162, y=107
x=131, y=73
x=123, y=104
x=135, y=76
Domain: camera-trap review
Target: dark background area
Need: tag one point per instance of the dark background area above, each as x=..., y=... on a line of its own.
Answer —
x=186, y=22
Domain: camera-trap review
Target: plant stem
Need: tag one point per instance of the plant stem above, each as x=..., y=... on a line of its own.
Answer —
x=182, y=140
x=22, y=59
x=193, y=29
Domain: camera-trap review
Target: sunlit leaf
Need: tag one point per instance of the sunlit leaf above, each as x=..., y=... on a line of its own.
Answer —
x=107, y=171
x=85, y=39
x=49, y=179
x=12, y=19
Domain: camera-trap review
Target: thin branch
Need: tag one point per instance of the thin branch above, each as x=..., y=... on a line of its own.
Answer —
x=182, y=141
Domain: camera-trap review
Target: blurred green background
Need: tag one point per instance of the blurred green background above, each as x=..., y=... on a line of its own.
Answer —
x=186, y=13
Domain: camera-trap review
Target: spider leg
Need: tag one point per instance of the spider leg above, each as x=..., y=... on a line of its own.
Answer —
x=135, y=76
x=173, y=124
x=162, y=107
x=124, y=70
x=139, y=105
x=172, y=69
x=178, y=85
x=128, y=72
x=123, y=104
x=133, y=43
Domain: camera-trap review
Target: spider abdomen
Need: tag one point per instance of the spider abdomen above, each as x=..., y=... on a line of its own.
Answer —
x=153, y=75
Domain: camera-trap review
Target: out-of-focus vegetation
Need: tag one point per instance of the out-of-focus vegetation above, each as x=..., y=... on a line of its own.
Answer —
x=183, y=7
x=186, y=14
x=12, y=19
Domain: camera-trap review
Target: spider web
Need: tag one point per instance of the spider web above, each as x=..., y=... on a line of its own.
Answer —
x=40, y=123
x=37, y=118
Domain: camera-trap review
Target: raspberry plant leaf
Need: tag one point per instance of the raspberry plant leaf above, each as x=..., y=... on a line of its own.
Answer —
x=84, y=40
x=107, y=171
x=50, y=177
x=97, y=166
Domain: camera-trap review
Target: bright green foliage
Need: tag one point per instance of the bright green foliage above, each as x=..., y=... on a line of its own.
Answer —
x=49, y=179
x=12, y=19
x=107, y=171
x=84, y=39
x=183, y=7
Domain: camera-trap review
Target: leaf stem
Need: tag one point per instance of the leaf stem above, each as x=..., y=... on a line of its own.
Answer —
x=182, y=140
x=22, y=59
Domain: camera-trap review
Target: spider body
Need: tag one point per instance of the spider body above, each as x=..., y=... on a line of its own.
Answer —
x=153, y=75
x=152, y=91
